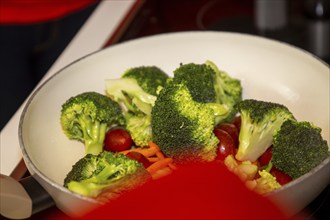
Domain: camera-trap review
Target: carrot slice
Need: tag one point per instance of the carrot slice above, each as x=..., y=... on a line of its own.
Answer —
x=159, y=165
x=161, y=173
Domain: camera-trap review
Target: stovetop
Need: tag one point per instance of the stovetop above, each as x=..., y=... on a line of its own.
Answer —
x=301, y=23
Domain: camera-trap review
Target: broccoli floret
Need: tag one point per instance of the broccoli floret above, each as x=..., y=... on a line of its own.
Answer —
x=137, y=88
x=298, y=147
x=87, y=117
x=200, y=79
x=182, y=127
x=136, y=91
x=139, y=127
x=207, y=84
x=259, y=121
x=106, y=173
x=149, y=78
x=228, y=90
x=130, y=96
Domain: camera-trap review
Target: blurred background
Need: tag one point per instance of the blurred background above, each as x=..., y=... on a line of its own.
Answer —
x=301, y=23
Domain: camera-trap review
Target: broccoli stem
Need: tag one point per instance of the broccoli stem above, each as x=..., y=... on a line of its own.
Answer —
x=269, y=167
x=94, y=134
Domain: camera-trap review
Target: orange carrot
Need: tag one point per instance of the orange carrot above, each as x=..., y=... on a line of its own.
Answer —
x=159, y=165
x=153, y=159
x=161, y=173
x=154, y=145
x=147, y=152
x=172, y=166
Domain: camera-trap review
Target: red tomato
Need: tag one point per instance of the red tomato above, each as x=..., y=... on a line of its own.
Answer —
x=232, y=130
x=281, y=177
x=266, y=157
x=226, y=145
x=117, y=140
x=139, y=157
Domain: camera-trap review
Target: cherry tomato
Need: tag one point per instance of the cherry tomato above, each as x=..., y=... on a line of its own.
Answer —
x=231, y=130
x=139, y=157
x=117, y=139
x=226, y=145
x=237, y=122
x=266, y=157
x=281, y=177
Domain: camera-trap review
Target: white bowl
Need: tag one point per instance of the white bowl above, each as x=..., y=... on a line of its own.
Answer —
x=269, y=70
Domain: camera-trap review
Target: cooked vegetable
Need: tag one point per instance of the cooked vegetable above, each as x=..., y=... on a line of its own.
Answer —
x=117, y=139
x=264, y=184
x=228, y=90
x=108, y=172
x=136, y=92
x=244, y=170
x=226, y=144
x=231, y=129
x=138, y=157
x=182, y=127
x=153, y=160
x=281, y=177
x=207, y=84
x=259, y=121
x=190, y=117
x=87, y=117
x=298, y=148
x=149, y=78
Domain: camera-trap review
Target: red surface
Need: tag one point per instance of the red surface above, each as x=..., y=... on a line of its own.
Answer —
x=207, y=191
x=32, y=11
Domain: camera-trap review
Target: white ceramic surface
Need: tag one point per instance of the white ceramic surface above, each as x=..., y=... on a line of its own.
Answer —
x=269, y=70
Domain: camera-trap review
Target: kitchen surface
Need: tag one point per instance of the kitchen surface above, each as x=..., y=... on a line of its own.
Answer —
x=304, y=24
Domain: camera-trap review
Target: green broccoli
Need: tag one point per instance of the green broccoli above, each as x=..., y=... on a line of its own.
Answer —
x=228, y=90
x=298, y=147
x=199, y=79
x=87, y=117
x=136, y=91
x=139, y=127
x=207, y=84
x=149, y=78
x=259, y=121
x=106, y=173
x=182, y=127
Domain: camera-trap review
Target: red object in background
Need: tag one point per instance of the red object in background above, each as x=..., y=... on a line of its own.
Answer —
x=199, y=191
x=33, y=11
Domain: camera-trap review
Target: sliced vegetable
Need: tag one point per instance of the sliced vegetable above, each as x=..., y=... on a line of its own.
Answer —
x=117, y=140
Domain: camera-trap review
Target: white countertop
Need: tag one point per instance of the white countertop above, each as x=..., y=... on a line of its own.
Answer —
x=99, y=28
